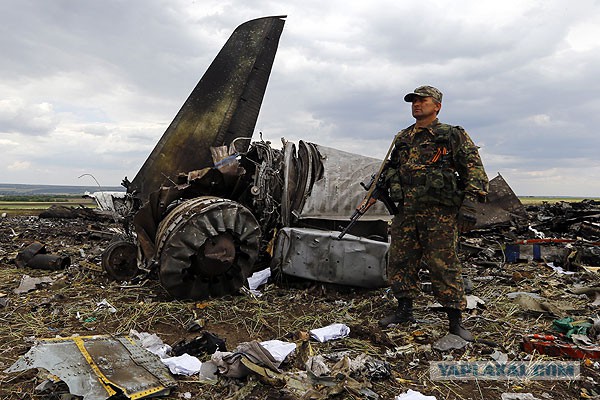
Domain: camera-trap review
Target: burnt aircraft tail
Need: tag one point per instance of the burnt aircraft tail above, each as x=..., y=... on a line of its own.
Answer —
x=223, y=106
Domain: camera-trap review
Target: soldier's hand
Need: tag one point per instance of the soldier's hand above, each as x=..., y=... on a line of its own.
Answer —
x=466, y=219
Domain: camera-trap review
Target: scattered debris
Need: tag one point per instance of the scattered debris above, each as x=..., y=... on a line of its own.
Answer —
x=591, y=292
x=288, y=307
x=449, y=342
x=119, y=259
x=560, y=270
x=474, y=302
x=28, y=283
x=206, y=344
x=233, y=365
x=36, y=256
x=109, y=201
x=105, y=305
x=518, y=396
x=559, y=346
x=59, y=211
x=569, y=327
x=151, y=342
x=537, y=305
x=499, y=356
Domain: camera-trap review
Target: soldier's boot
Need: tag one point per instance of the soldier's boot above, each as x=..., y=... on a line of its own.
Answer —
x=403, y=314
x=455, y=325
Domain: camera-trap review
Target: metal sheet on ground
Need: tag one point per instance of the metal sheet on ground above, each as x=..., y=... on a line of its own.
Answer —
x=95, y=367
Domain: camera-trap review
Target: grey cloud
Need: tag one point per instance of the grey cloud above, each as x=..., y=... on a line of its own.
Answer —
x=27, y=119
x=135, y=40
x=123, y=69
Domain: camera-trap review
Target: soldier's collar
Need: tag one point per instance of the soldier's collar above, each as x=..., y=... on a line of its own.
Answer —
x=429, y=128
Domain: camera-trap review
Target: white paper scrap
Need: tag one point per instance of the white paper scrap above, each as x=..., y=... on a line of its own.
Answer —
x=559, y=270
x=259, y=278
x=414, y=395
x=278, y=349
x=330, y=332
x=104, y=304
x=152, y=343
x=183, y=364
x=473, y=302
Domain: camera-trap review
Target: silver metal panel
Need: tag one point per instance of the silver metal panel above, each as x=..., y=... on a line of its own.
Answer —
x=339, y=192
x=129, y=367
x=92, y=367
x=321, y=256
x=63, y=359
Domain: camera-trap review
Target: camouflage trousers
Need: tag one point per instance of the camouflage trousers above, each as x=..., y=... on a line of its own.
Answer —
x=426, y=239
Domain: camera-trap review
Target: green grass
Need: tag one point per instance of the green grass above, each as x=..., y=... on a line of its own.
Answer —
x=25, y=207
x=528, y=200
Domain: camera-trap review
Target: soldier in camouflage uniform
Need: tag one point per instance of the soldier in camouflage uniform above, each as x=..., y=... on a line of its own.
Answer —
x=436, y=175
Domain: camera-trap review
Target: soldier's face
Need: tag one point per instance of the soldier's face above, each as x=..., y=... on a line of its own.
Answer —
x=424, y=107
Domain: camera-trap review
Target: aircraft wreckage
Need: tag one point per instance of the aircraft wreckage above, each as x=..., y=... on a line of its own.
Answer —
x=210, y=206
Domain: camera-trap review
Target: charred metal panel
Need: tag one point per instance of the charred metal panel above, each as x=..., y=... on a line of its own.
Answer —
x=337, y=192
x=223, y=106
x=502, y=205
x=35, y=256
x=319, y=255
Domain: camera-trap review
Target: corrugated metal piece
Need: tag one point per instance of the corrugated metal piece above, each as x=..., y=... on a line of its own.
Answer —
x=337, y=193
x=319, y=255
x=223, y=106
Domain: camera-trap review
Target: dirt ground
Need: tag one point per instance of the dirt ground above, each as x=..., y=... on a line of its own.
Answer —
x=287, y=307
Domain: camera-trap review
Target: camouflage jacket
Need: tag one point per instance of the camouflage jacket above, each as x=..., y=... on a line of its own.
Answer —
x=438, y=164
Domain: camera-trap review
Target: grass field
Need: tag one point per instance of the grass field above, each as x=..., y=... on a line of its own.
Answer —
x=21, y=207
x=529, y=200
x=13, y=208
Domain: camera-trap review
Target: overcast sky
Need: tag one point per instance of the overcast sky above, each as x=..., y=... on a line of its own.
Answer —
x=88, y=87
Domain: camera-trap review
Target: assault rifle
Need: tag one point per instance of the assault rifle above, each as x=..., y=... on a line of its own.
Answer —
x=376, y=190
